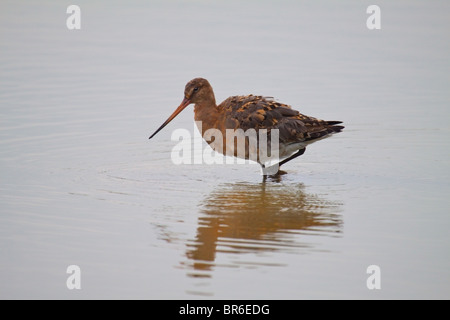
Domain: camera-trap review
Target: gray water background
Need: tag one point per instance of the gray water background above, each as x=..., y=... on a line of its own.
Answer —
x=81, y=184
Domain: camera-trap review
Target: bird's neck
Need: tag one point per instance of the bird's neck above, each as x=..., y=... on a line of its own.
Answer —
x=208, y=114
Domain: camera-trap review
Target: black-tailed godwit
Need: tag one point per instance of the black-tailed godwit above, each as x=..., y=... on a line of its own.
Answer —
x=295, y=130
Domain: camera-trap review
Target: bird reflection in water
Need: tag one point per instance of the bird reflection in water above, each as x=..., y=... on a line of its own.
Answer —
x=257, y=218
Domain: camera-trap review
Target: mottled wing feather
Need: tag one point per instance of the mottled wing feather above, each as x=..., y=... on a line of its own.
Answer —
x=258, y=112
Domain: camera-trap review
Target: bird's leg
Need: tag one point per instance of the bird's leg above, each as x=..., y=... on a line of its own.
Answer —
x=295, y=155
x=270, y=171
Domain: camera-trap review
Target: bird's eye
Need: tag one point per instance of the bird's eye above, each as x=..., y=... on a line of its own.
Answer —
x=195, y=89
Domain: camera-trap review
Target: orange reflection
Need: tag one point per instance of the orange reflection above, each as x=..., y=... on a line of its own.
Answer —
x=244, y=217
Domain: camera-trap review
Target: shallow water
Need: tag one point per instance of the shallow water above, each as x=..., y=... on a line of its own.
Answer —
x=81, y=184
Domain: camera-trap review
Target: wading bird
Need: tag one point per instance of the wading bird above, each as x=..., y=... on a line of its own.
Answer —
x=254, y=114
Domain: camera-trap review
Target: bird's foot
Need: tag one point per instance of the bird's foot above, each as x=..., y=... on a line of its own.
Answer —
x=274, y=177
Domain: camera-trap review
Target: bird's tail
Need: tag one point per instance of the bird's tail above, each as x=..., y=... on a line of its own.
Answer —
x=333, y=126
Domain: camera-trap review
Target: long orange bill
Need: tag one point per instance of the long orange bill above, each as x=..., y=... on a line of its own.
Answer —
x=183, y=105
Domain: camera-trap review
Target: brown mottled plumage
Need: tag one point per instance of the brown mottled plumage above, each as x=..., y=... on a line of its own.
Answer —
x=260, y=112
x=296, y=130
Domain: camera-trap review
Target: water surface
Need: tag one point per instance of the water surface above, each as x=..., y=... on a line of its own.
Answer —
x=82, y=184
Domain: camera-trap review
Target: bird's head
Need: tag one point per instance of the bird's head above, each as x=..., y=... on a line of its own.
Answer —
x=197, y=91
